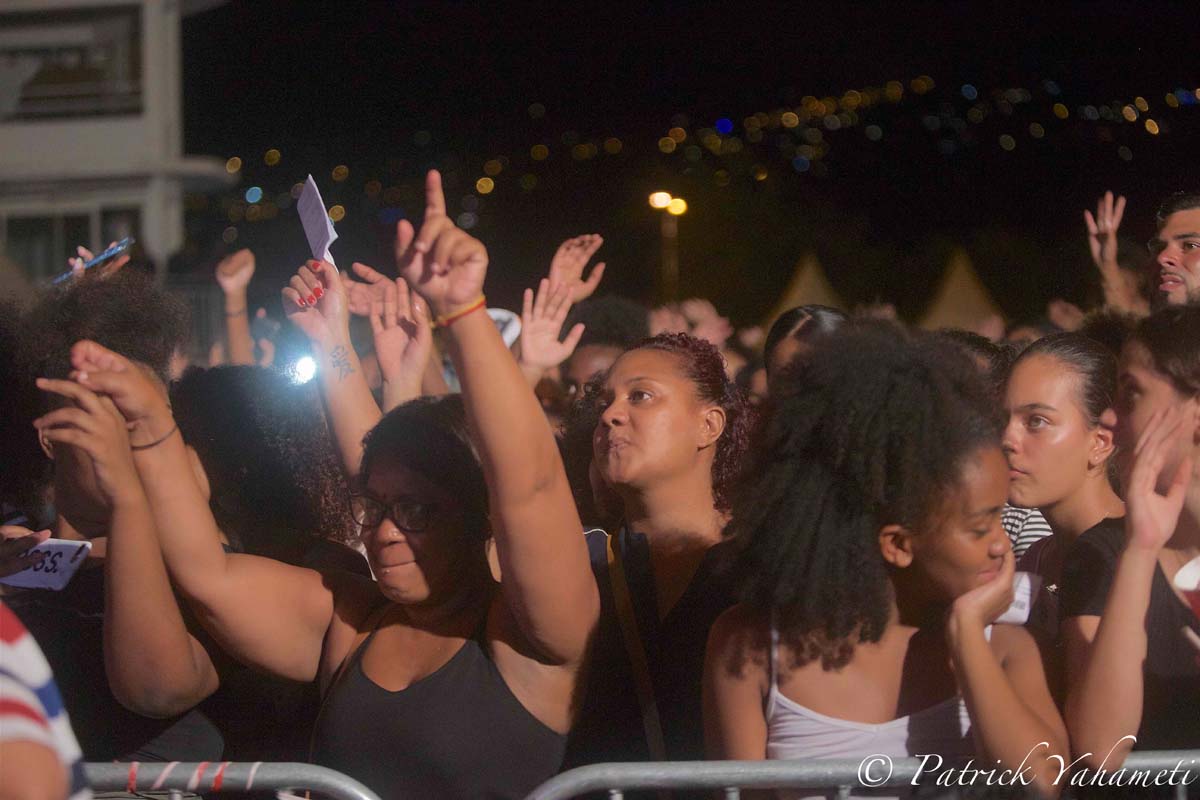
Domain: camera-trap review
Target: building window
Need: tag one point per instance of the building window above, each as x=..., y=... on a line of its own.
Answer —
x=71, y=63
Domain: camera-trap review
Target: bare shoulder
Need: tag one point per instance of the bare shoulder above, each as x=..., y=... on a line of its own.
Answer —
x=739, y=642
x=354, y=597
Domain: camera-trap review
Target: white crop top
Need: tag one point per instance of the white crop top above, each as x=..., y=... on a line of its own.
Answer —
x=797, y=732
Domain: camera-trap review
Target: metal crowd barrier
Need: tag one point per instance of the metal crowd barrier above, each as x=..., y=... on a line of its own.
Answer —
x=227, y=776
x=845, y=776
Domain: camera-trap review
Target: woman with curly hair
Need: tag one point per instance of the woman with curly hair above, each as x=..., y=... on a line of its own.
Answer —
x=875, y=565
x=274, y=483
x=669, y=436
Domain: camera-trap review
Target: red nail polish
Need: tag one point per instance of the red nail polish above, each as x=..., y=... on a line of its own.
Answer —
x=316, y=265
x=300, y=302
x=318, y=292
x=312, y=301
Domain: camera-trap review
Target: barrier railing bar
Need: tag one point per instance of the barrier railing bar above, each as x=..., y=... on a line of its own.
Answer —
x=217, y=776
x=812, y=774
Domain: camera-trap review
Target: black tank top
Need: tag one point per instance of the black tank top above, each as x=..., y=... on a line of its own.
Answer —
x=457, y=733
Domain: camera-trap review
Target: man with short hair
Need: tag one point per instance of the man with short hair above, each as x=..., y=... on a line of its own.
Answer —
x=1176, y=249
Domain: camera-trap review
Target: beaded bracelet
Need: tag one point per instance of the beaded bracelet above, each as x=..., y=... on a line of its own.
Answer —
x=445, y=320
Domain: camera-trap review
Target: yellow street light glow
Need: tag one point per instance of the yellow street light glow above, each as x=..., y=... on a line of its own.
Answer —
x=677, y=206
x=660, y=200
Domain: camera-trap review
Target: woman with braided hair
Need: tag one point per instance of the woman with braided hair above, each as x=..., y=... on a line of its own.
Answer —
x=874, y=565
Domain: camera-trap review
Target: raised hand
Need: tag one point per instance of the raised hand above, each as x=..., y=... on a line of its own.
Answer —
x=315, y=301
x=1151, y=514
x=541, y=322
x=706, y=323
x=403, y=340
x=569, y=262
x=83, y=255
x=361, y=294
x=140, y=398
x=93, y=424
x=15, y=546
x=1102, y=229
x=235, y=271
x=445, y=265
x=1064, y=314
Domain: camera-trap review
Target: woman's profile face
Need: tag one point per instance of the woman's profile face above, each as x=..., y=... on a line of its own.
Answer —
x=415, y=566
x=966, y=547
x=653, y=424
x=1048, y=440
x=1143, y=391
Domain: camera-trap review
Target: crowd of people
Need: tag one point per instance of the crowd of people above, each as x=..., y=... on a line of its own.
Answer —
x=455, y=563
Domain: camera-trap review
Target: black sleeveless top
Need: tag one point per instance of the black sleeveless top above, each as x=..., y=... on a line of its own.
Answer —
x=456, y=733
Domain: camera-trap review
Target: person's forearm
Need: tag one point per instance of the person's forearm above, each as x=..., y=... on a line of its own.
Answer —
x=154, y=666
x=237, y=328
x=433, y=382
x=515, y=440
x=1004, y=728
x=348, y=402
x=1104, y=704
x=397, y=393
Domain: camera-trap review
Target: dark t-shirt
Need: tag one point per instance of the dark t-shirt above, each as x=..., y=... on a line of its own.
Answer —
x=609, y=727
x=1171, y=706
x=69, y=627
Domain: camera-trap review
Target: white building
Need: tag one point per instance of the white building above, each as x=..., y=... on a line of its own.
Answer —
x=91, y=138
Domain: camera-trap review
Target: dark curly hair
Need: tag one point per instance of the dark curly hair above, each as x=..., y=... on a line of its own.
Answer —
x=430, y=435
x=871, y=429
x=25, y=470
x=705, y=368
x=127, y=313
x=610, y=320
x=274, y=475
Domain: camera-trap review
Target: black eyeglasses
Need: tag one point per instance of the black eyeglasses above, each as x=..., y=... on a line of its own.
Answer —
x=410, y=515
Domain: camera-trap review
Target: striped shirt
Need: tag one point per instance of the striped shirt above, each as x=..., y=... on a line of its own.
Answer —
x=1024, y=527
x=31, y=708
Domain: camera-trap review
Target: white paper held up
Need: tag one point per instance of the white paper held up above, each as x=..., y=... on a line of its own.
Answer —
x=318, y=228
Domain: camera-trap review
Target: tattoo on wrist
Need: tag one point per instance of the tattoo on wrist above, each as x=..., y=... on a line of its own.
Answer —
x=340, y=357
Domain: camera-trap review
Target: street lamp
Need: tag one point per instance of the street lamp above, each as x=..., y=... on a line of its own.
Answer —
x=675, y=207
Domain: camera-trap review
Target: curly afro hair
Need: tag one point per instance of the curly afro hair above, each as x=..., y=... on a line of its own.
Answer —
x=276, y=484
x=871, y=429
x=127, y=313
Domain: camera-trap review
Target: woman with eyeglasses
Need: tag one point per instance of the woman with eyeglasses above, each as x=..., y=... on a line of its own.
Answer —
x=438, y=680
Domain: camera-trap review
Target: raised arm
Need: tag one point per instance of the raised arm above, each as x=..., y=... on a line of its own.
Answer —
x=1004, y=686
x=547, y=582
x=1106, y=688
x=316, y=302
x=542, y=319
x=233, y=274
x=263, y=612
x=1119, y=292
x=155, y=667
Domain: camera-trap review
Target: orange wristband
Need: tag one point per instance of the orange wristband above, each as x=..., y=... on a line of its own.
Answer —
x=445, y=320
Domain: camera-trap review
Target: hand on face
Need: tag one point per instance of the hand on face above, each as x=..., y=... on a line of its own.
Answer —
x=986, y=602
x=140, y=400
x=93, y=424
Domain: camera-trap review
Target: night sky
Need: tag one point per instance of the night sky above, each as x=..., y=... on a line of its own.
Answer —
x=390, y=89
